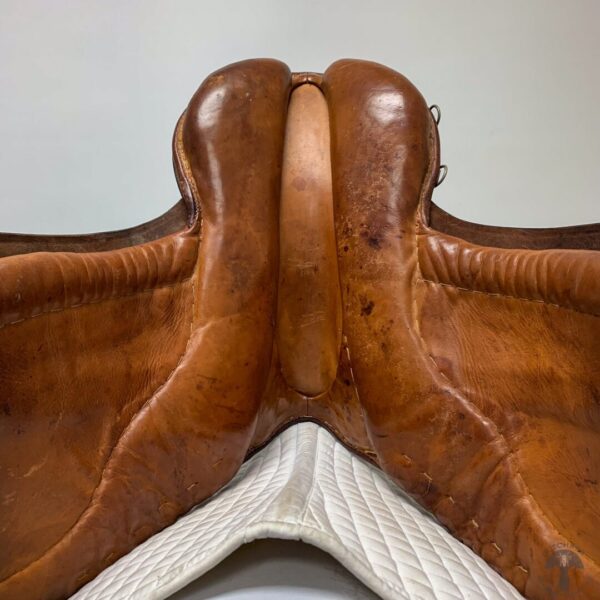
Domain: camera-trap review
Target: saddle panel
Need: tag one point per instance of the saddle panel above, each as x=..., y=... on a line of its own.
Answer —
x=310, y=277
x=427, y=432
x=535, y=315
x=71, y=382
x=214, y=385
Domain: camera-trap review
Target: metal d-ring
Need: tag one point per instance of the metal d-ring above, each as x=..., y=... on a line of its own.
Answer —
x=436, y=113
x=441, y=174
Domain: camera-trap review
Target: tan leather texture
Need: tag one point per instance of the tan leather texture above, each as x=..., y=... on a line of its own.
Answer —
x=305, y=274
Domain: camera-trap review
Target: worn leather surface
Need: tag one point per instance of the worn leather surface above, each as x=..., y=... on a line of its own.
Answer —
x=305, y=485
x=311, y=278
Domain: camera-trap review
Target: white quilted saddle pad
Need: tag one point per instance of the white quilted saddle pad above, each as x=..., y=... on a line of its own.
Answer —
x=305, y=485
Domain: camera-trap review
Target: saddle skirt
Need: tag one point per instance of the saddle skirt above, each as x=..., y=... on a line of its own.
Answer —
x=305, y=275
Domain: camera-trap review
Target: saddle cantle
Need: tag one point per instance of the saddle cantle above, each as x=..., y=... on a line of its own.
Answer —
x=304, y=275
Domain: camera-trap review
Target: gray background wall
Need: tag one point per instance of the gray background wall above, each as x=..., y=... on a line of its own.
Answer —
x=90, y=92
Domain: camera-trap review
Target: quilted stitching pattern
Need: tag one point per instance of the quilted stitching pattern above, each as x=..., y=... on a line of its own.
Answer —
x=306, y=485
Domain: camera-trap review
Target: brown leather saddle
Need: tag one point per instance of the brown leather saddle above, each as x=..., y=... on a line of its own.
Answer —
x=305, y=274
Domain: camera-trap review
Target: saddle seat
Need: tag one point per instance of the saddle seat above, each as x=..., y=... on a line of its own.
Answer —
x=305, y=275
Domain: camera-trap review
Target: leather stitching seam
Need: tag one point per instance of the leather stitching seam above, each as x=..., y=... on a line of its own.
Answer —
x=507, y=296
x=108, y=459
x=419, y=277
x=99, y=301
x=133, y=418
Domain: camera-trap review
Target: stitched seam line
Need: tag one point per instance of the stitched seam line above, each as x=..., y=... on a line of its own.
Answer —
x=528, y=497
x=99, y=301
x=507, y=296
x=419, y=276
x=131, y=422
x=108, y=459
